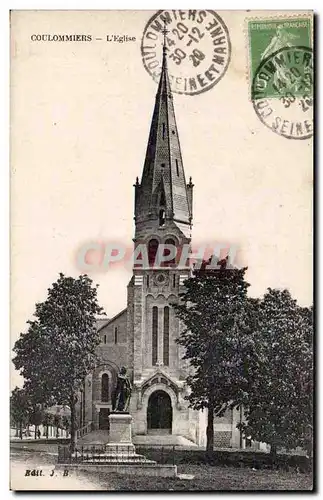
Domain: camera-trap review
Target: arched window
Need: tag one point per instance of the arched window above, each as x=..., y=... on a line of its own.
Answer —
x=105, y=388
x=105, y=339
x=171, y=242
x=154, y=335
x=115, y=334
x=166, y=336
x=152, y=251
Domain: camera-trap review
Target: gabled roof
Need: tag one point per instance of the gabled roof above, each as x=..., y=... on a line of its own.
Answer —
x=100, y=327
x=163, y=375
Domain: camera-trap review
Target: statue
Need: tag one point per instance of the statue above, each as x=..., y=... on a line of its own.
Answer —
x=121, y=394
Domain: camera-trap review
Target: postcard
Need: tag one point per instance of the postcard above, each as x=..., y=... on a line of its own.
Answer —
x=161, y=250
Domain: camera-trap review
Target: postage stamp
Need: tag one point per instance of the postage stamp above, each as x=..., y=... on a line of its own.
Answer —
x=199, y=48
x=281, y=71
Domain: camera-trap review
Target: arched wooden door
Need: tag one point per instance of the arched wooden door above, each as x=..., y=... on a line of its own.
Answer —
x=159, y=413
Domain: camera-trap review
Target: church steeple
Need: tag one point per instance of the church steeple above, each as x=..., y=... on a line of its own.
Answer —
x=163, y=193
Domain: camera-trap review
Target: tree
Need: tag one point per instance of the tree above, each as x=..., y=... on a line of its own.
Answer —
x=20, y=408
x=36, y=417
x=279, y=403
x=66, y=423
x=58, y=350
x=57, y=423
x=217, y=337
x=47, y=422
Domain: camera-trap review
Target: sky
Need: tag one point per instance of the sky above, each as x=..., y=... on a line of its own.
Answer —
x=80, y=119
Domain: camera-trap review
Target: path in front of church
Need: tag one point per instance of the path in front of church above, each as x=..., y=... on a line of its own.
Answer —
x=51, y=479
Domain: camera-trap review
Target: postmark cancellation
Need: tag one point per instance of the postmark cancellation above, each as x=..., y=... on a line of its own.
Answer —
x=198, y=46
x=281, y=74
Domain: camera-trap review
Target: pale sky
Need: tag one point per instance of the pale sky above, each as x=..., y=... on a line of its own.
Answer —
x=80, y=118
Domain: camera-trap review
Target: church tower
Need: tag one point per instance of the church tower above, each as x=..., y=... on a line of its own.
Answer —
x=142, y=337
x=163, y=222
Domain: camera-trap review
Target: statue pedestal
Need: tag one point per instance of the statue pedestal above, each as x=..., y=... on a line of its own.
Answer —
x=120, y=437
x=120, y=428
x=119, y=454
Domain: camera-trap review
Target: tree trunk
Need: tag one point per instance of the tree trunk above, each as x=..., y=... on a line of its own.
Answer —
x=20, y=431
x=240, y=421
x=47, y=429
x=35, y=431
x=73, y=423
x=210, y=429
x=273, y=454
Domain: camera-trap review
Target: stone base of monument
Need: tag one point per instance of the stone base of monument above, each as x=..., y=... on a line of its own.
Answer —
x=119, y=454
x=144, y=469
x=120, y=429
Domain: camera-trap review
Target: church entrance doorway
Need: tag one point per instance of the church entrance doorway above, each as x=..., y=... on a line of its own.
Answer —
x=159, y=413
x=104, y=423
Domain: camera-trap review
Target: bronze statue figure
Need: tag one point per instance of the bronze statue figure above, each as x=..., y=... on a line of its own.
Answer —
x=121, y=394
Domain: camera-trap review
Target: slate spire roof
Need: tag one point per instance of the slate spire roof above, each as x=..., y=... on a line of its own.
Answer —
x=163, y=186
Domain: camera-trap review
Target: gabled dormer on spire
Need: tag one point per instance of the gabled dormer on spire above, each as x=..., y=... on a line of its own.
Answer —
x=163, y=193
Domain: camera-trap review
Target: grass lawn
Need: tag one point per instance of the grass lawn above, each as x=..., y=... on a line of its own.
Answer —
x=210, y=478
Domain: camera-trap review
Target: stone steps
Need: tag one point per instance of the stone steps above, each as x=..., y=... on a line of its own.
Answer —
x=119, y=459
x=102, y=438
x=137, y=469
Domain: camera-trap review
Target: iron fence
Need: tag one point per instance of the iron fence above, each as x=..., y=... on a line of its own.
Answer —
x=176, y=455
x=119, y=454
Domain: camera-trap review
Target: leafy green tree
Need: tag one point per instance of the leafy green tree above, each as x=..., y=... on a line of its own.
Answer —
x=279, y=403
x=58, y=350
x=217, y=338
x=20, y=408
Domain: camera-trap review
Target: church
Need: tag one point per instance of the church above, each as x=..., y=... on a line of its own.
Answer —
x=142, y=336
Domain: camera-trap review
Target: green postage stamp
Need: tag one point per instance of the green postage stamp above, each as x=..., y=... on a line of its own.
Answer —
x=281, y=74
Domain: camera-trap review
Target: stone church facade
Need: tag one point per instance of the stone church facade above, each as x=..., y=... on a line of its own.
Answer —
x=142, y=336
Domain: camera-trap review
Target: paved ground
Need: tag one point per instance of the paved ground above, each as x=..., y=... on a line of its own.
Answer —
x=22, y=461
x=166, y=440
x=101, y=437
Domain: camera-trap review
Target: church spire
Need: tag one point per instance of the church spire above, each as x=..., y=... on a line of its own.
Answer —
x=162, y=192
